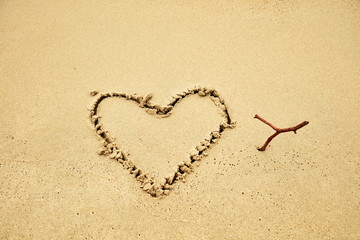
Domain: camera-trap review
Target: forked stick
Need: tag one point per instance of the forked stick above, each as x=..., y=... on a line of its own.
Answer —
x=278, y=130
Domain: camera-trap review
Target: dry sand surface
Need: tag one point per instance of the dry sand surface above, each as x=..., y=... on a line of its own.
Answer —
x=288, y=61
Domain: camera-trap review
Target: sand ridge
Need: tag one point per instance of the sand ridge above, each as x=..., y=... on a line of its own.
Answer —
x=148, y=183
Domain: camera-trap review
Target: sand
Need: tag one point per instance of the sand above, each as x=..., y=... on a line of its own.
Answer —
x=289, y=62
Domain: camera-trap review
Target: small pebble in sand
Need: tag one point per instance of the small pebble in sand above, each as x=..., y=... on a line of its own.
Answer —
x=151, y=190
x=137, y=98
x=215, y=134
x=158, y=192
x=205, y=143
x=151, y=111
x=110, y=145
x=194, y=152
x=187, y=162
x=144, y=182
x=136, y=172
x=141, y=177
x=110, y=150
x=113, y=155
x=208, y=137
x=224, y=125
x=168, y=108
x=196, y=158
x=94, y=93
x=110, y=139
x=185, y=169
x=131, y=164
x=125, y=156
x=201, y=93
x=170, y=179
x=101, y=151
x=94, y=118
x=176, y=99
x=119, y=155
x=165, y=115
x=215, y=93
x=162, y=182
x=156, y=186
x=126, y=165
x=208, y=91
x=180, y=177
x=128, y=96
x=181, y=95
x=200, y=148
x=215, y=100
x=146, y=186
x=190, y=91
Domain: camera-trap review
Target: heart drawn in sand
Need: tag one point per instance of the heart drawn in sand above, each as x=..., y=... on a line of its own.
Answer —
x=148, y=183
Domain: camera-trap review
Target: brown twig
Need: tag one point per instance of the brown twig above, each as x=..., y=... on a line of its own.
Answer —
x=278, y=130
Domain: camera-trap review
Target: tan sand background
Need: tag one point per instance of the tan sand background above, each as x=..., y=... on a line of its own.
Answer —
x=287, y=61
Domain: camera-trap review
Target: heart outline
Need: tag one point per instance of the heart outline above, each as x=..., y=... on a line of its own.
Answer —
x=148, y=183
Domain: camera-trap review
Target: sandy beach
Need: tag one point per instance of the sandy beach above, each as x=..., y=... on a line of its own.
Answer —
x=166, y=146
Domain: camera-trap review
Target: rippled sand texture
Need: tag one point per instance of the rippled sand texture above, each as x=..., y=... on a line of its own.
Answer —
x=164, y=171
